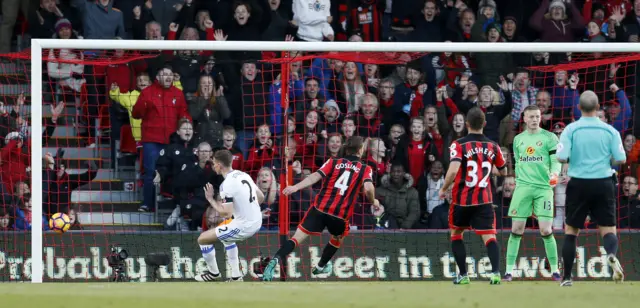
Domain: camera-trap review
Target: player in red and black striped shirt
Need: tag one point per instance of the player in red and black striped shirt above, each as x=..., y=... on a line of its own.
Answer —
x=333, y=206
x=472, y=160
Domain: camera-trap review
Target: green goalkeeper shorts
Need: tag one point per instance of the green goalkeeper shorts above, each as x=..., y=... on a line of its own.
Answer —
x=528, y=200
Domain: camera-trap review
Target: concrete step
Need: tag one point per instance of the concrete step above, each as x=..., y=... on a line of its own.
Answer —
x=111, y=185
x=79, y=196
x=63, y=131
x=79, y=153
x=81, y=163
x=98, y=207
x=107, y=174
x=130, y=219
x=14, y=90
x=14, y=68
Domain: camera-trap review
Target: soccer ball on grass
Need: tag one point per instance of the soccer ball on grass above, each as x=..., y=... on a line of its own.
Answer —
x=59, y=222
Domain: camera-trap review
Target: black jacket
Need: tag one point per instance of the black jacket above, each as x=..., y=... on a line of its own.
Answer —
x=177, y=156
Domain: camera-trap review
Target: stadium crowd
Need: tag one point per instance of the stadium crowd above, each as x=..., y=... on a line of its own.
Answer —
x=176, y=108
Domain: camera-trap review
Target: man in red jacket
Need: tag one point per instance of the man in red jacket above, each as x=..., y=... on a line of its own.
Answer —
x=159, y=106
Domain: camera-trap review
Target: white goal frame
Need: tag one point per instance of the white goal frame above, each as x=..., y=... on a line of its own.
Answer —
x=38, y=45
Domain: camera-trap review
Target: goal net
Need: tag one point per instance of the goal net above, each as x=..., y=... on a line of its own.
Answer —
x=121, y=142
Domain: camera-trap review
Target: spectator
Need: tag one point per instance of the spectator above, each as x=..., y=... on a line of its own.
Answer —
x=367, y=117
x=262, y=152
x=14, y=160
x=22, y=215
x=313, y=19
x=629, y=203
x=428, y=186
x=100, y=19
x=449, y=67
x=458, y=130
x=159, y=106
x=249, y=23
x=552, y=21
x=74, y=221
x=417, y=151
x=58, y=185
x=10, y=10
x=432, y=129
x=619, y=109
x=376, y=158
x=348, y=127
x=312, y=99
x=430, y=25
x=279, y=26
x=395, y=136
x=390, y=109
x=42, y=20
x=208, y=109
x=331, y=150
x=188, y=184
x=488, y=101
x=178, y=154
x=348, y=88
x=6, y=218
x=565, y=97
x=380, y=219
x=228, y=143
x=129, y=99
x=460, y=23
x=268, y=184
x=399, y=198
x=309, y=138
x=331, y=117
x=491, y=65
x=543, y=101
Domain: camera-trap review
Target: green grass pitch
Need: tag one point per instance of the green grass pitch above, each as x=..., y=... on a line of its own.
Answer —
x=319, y=295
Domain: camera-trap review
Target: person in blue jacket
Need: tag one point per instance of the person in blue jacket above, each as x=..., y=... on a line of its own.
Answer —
x=23, y=214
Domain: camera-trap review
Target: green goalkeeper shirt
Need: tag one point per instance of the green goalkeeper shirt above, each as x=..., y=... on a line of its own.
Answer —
x=535, y=158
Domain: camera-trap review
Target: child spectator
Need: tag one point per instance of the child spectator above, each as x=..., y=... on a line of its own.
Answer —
x=262, y=152
x=6, y=219
x=228, y=141
x=268, y=184
x=23, y=214
x=129, y=99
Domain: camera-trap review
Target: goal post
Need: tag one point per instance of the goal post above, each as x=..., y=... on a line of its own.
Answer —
x=40, y=46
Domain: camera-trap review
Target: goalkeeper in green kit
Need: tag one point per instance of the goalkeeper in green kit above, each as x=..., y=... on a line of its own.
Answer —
x=537, y=172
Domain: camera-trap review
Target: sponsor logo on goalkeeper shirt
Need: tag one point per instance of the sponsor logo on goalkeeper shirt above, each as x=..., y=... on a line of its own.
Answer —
x=530, y=157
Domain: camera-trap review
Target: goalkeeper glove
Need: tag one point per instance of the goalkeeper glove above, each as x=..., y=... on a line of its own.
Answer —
x=553, y=180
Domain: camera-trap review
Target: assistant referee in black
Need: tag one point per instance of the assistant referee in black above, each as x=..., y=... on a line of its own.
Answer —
x=591, y=147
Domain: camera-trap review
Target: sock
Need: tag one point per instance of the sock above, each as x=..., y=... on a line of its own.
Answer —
x=209, y=255
x=513, y=246
x=551, y=247
x=234, y=261
x=610, y=243
x=286, y=249
x=494, y=254
x=328, y=252
x=568, y=254
x=459, y=254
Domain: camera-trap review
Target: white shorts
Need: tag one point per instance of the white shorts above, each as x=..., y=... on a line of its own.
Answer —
x=237, y=231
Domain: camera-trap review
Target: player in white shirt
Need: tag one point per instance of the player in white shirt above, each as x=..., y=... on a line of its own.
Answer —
x=240, y=197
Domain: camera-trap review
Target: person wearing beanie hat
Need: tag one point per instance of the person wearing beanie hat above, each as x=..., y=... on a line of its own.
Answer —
x=553, y=23
x=488, y=8
x=329, y=115
x=62, y=23
x=494, y=32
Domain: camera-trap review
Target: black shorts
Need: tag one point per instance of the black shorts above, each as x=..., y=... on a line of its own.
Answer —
x=480, y=218
x=314, y=222
x=593, y=197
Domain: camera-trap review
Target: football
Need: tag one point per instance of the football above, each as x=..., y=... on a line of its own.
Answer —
x=59, y=222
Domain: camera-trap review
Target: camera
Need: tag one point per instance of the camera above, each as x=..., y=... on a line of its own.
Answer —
x=116, y=260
